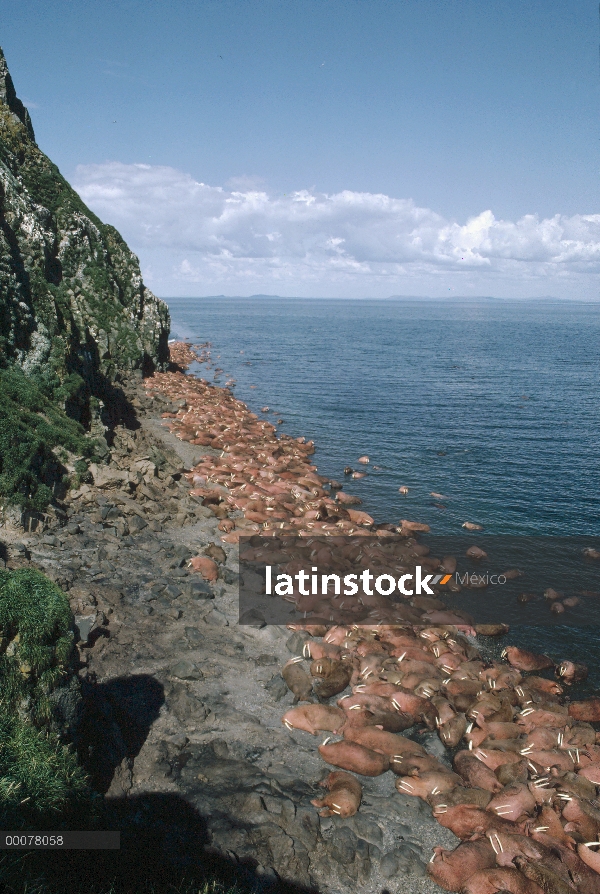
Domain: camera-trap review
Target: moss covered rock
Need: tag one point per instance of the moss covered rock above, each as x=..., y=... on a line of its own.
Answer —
x=72, y=297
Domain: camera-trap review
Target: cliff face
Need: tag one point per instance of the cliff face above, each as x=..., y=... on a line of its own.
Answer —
x=72, y=298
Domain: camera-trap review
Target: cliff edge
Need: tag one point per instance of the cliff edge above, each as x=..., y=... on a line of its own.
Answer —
x=72, y=299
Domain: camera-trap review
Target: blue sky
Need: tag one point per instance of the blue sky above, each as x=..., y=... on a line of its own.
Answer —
x=327, y=147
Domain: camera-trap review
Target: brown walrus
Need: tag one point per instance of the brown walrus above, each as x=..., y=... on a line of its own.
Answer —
x=588, y=710
x=352, y=756
x=314, y=718
x=343, y=797
x=491, y=881
x=451, y=869
x=297, y=680
x=526, y=661
x=570, y=672
x=475, y=773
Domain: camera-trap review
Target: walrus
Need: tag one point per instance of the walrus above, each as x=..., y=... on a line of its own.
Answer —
x=570, y=672
x=352, y=756
x=505, y=879
x=582, y=819
x=466, y=821
x=314, y=718
x=544, y=876
x=453, y=730
x=413, y=764
x=216, y=552
x=207, y=567
x=583, y=876
x=297, y=680
x=344, y=795
x=575, y=784
x=451, y=869
x=590, y=857
x=526, y=661
x=548, y=829
x=475, y=773
x=426, y=784
x=494, y=758
x=333, y=675
x=508, y=774
x=588, y=710
x=382, y=741
x=491, y=629
x=460, y=794
x=515, y=802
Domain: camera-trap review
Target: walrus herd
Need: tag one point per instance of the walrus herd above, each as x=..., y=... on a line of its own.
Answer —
x=521, y=790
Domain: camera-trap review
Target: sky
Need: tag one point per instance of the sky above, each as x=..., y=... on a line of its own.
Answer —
x=327, y=148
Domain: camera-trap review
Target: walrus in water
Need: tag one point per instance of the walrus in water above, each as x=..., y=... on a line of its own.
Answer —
x=570, y=672
x=526, y=661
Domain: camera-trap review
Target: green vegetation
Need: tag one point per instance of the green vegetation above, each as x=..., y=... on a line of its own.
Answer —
x=32, y=424
x=35, y=621
x=40, y=778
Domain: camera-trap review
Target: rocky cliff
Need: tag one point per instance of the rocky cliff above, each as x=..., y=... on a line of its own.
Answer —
x=72, y=299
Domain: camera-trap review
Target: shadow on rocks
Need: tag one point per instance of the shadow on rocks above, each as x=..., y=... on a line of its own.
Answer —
x=163, y=849
x=117, y=719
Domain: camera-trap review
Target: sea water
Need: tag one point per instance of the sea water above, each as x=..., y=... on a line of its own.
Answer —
x=493, y=405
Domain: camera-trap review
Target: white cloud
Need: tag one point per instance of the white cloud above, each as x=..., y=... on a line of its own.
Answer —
x=202, y=239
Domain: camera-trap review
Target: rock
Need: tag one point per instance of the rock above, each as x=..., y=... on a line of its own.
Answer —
x=253, y=618
x=276, y=687
x=266, y=660
x=136, y=524
x=390, y=865
x=194, y=636
x=199, y=589
x=343, y=847
x=367, y=829
x=106, y=476
x=216, y=618
x=84, y=624
x=296, y=642
x=186, y=670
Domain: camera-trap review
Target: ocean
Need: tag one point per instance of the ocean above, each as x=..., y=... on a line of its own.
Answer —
x=492, y=405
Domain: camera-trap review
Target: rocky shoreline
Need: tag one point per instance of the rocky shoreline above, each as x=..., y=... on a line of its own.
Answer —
x=182, y=702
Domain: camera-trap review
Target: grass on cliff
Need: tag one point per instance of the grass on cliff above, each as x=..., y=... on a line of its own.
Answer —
x=32, y=425
x=39, y=776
